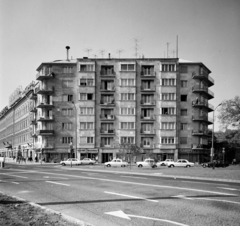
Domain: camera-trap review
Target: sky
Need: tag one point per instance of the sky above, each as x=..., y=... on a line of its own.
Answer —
x=32, y=32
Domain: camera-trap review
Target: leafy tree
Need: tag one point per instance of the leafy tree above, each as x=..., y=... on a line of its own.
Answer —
x=229, y=113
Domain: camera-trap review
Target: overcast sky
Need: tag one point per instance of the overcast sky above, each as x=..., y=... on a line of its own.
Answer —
x=36, y=31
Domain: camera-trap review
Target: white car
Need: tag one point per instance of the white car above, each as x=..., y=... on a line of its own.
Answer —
x=88, y=161
x=147, y=163
x=70, y=161
x=164, y=163
x=180, y=162
x=116, y=162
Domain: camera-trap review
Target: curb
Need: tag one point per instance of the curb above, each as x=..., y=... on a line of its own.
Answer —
x=64, y=216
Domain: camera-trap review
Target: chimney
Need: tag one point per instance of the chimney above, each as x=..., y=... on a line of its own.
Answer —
x=67, y=47
x=109, y=55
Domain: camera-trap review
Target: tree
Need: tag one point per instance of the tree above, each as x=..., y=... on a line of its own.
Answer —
x=229, y=113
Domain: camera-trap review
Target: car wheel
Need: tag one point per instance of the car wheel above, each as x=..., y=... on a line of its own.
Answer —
x=171, y=166
x=204, y=166
x=140, y=166
x=187, y=166
x=91, y=163
x=63, y=164
x=162, y=164
x=108, y=165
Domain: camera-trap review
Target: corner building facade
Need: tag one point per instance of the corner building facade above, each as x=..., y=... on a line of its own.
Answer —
x=161, y=105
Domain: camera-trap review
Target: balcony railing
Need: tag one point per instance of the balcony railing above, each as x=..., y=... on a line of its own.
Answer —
x=202, y=118
x=199, y=132
x=45, y=118
x=107, y=73
x=107, y=117
x=44, y=90
x=33, y=109
x=148, y=89
x=45, y=132
x=203, y=89
x=204, y=76
x=111, y=145
x=150, y=118
x=203, y=104
x=200, y=146
x=47, y=75
x=108, y=89
x=148, y=73
x=107, y=131
x=153, y=102
x=45, y=105
x=48, y=145
x=147, y=145
x=104, y=102
x=148, y=132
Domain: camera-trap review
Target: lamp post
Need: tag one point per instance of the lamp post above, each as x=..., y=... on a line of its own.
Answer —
x=212, y=149
x=223, y=151
x=76, y=131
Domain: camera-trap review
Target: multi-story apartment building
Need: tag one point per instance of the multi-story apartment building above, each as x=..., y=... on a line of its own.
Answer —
x=161, y=105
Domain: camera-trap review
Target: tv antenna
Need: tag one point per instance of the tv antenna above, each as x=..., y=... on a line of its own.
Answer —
x=136, y=40
x=119, y=51
x=167, y=48
x=88, y=50
x=102, y=51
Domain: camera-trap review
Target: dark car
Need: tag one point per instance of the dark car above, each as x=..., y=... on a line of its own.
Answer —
x=215, y=164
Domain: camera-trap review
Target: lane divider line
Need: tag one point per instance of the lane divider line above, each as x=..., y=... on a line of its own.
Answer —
x=135, y=177
x=57, y=183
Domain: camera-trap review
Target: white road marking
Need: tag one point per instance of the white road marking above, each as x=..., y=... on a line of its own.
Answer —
x=55, y=177
x=181, y=197
x=127, y=216
x=57, y=183
x=202, y=182
x=231, y=189
x=16, y=176
x=238, y=203
x=134, y=177
x=141, y=184
x=130, y=196
x=89, y=173
x=21, y=192
x=15, y=182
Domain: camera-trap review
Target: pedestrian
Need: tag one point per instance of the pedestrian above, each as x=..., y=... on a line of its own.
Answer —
x=234, y=162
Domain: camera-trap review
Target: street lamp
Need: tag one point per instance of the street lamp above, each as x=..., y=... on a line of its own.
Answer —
x=212, y=149
x=75, y=130
x=223, y=151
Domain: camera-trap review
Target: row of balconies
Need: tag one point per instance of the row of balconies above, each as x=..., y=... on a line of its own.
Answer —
x=203, y=76
x=143, y=89
x=203, y=90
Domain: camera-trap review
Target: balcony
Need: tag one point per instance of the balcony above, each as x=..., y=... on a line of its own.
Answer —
x=33, y=134
x=148, y=74
x=148, y=103
x=107, y=73
x=148, y=118
x=33, y=109
x=107, y=117
x=107, y=89
x=148, y=89
x=203, y=90
x=200, y=146
x=203, y=76
x=103, y=145
x=203, y=118
x=47, y=75
x=33, y=121
x=44, y=90
x=45, y=119
x=47, y=105
x=200, y=133
x=105, y=103
x=107, y=131
x=48, y=146
x=33, y=96
x=45, y=132
x=147, y=146
x=200, y=104
x=150, y=132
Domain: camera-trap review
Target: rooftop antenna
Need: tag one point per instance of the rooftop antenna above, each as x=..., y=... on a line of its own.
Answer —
x=173, y=53
x=88, y=50
x=119, y=51
x=67, y=47
x=136, y=46
x=95, y=55
x=167, y=48
x=177, y=47
x=102, y=51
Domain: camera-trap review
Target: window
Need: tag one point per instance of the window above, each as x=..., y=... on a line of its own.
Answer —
x=183, y=97
x=67, y=83
x=85, y=96
x=167, y=140
x=183, y=126
x=184, y=69
x=67, y=140
x=127, y=67
x=127, y=96
x=184, y=83
x=168, y=96
x=86, y=67
x=127, y=82
x=68, y=98
x=168, y=67
x=86, y=125
x=67, y=70
x=183, y=140
x=168, y=111
x=107, y=70
x=86, y=110
x=67, y=111
x=127, y=111
x=89, y=140
x=67, y=125
x=168, y=125
x=168, y=82
x=183, y=112
x=127, y=125
x=129, y=140
x=86, y=82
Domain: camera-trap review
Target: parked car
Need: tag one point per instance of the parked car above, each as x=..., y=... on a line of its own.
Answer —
x=88, y=161
x=70, y=161
x=217, y=164
x=116, y=162
x=147, y=163
x=180, y=162
x=164, y=163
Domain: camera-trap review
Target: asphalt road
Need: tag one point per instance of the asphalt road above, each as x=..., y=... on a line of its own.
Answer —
x=109, y=199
